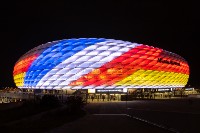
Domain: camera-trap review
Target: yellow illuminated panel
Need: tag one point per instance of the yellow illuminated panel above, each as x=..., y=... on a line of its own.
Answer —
x=19, y=79
x=151, y=78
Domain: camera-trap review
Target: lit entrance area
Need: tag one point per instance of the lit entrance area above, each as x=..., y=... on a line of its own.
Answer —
x=105, y=95
x=160, y=93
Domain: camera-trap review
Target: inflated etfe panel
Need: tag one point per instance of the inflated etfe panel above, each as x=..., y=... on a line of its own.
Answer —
x=98, y=63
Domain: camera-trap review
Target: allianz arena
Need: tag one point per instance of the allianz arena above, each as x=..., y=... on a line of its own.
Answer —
x=99, y=63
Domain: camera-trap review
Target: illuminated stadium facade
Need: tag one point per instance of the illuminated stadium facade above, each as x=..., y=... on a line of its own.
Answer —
x=98, y=63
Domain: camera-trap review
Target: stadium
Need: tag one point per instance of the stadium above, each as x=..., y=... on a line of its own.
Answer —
x=100, y=67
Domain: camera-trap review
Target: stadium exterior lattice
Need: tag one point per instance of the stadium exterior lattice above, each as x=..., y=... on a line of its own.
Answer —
x=99, y=64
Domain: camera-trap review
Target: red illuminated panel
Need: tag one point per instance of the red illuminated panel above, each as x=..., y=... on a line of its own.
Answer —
x=142, y=57
x=24, y=64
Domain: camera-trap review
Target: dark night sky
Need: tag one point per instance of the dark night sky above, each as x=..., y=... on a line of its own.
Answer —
x=173, y=26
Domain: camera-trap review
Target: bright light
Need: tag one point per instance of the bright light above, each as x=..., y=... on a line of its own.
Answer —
x=125, y=89
x=91, y=90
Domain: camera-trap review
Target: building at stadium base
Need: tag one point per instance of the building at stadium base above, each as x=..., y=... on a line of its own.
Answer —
x=101, y=69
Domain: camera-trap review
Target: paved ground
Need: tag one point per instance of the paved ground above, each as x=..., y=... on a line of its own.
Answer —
x=144, y=116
